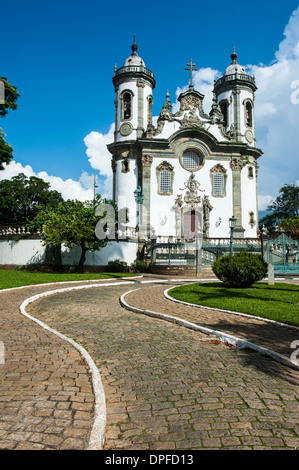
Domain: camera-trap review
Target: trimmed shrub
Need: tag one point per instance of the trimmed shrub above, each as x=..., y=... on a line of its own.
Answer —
x=117, y=266
x=138, y=266
x=241, y=269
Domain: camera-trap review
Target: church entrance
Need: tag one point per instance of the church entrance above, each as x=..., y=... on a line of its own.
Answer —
x=191, y=224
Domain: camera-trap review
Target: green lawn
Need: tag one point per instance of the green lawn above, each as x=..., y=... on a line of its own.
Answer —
x=278, y=302
x=11, y=278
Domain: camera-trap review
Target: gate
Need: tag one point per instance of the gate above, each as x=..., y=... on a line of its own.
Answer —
x=282, y=252
x=175, y=252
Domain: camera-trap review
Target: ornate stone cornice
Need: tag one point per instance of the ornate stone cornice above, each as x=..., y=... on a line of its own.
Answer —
x=164, y=166
x=218, y=169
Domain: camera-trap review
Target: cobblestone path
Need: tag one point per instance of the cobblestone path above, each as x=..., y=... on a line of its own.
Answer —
x=167, y=389
x=262, y=333
x=46, y=398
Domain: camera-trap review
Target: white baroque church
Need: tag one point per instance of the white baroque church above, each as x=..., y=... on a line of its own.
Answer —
x=180, y=177
x=191, y=171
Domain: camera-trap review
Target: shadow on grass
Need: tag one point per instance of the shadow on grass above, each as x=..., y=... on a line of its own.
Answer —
x=280, y=305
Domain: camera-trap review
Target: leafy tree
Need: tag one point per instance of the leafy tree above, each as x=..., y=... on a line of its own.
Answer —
x=10, y=97
x=5, y=151
x=20, y=197
x=285, y=206
x=290, y=227
x=73, y=223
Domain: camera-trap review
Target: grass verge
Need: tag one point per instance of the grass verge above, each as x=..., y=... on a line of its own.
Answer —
x=279, y=302
x=12, y=278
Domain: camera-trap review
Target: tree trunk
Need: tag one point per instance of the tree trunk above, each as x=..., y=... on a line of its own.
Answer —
x=82, y=258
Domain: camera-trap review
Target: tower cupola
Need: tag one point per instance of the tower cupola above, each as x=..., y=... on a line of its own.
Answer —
x=234, y=92
x=134, y=84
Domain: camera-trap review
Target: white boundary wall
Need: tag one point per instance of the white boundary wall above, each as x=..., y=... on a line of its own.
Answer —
x=28, y=252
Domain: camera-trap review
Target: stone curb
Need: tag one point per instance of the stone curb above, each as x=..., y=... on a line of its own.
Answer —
x=238, y=343
x=98, y=432
x=44, y=284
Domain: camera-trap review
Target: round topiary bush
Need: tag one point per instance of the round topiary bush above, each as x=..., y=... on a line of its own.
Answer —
x=241, y=269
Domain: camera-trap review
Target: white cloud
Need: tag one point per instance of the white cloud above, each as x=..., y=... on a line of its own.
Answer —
x=276, y=120
x=69, y=188
x=100, y=159
x=264, y=201
x=203, y=81
x=277, y=115
x=276, y=112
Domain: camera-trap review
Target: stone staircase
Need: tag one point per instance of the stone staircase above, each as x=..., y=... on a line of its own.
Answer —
x=183, y=271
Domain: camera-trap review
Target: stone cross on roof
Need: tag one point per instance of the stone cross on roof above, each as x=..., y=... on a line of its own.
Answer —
x=191, y=67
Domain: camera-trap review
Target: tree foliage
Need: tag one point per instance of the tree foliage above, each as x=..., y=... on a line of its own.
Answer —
x=290, y=227
x=285, y=206
x=21, y=196
x=5, y=151
x=72, y=223
x=10, y=97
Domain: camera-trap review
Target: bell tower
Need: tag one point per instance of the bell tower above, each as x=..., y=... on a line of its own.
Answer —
x=134, y=84
x=235, y=96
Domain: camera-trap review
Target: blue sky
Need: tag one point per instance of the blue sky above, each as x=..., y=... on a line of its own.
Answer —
x=61, y=56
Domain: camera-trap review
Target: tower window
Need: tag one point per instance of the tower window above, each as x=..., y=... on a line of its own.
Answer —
x=250, y=172
x=251, y=219
x=127, y=106
x=248, y=114
x=125, y=168
x=224, y=110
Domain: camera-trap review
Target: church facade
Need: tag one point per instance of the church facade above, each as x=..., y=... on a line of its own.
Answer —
x=189, y=171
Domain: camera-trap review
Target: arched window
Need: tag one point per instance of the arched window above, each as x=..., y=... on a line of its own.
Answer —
x=250, y=172
x=224, y=110
x=125, y=167
x=218, y=180
x=165, y=176
x=127, y=105
x=248, y=114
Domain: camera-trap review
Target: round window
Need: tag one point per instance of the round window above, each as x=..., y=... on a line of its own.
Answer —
x=191, y=160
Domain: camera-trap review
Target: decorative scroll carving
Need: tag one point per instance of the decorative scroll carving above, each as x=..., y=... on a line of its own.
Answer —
x=206, y=215
x=146, y=160
x=218, y=169
x=236, y=163
x=165, y=166
x=192, y=197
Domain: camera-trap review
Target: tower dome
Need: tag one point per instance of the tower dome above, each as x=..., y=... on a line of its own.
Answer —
x=134, y=58
x=234, y=67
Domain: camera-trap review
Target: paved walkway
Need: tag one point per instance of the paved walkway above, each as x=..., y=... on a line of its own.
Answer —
x=271, y=337
x=164, y=387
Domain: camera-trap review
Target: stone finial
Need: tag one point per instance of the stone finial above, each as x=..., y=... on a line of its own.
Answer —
x=134, y=46
x=234, y=56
